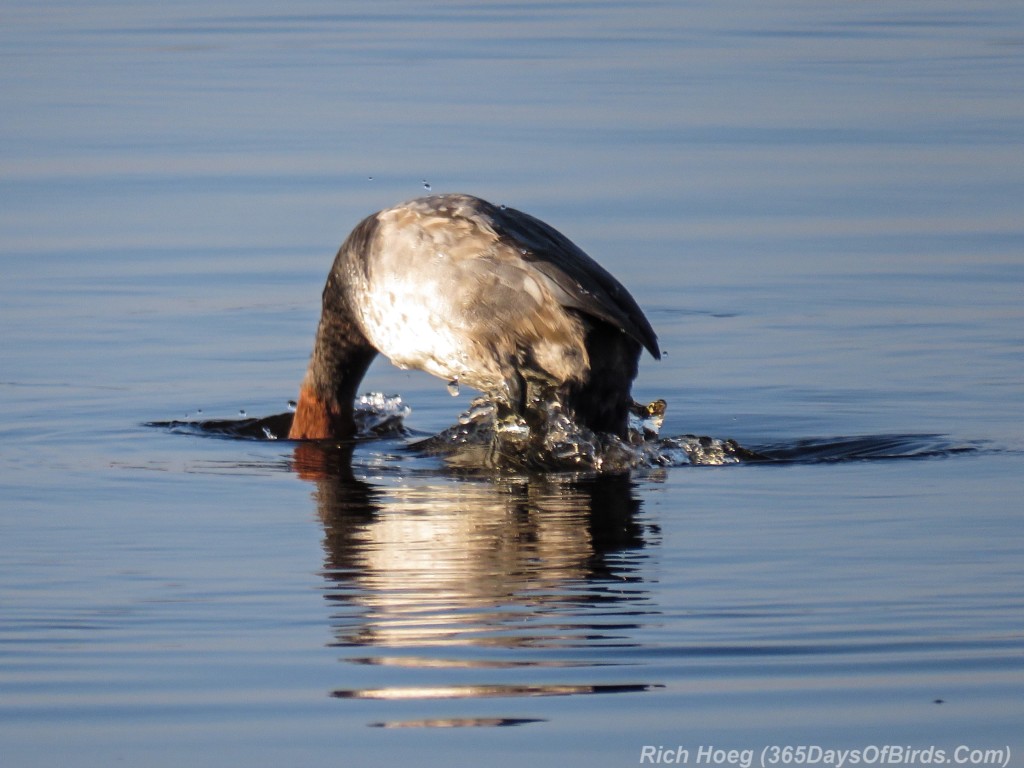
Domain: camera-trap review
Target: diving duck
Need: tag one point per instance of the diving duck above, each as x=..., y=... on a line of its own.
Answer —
x=478, y=295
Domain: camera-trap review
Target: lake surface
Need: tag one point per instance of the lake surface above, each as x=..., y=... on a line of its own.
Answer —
x=819, y=206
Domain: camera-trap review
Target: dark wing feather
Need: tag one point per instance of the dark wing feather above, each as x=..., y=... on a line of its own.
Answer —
x=580, y=282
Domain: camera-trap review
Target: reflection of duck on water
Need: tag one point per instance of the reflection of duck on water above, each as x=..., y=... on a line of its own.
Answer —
x=479, y=295
x=519, y=561
x=443, y=588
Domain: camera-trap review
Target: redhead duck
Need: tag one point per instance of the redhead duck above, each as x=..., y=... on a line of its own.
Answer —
x=475, y=294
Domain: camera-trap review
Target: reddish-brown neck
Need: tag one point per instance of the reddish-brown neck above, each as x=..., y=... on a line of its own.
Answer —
x=341, y=355
x=320, y=419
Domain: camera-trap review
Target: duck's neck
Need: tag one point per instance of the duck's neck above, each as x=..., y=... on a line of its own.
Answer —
x=341, y=355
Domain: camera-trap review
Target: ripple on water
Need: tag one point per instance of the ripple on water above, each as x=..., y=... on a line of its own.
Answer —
x=480, y=440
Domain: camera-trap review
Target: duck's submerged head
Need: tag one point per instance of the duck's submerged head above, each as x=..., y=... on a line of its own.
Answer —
x=479, y=295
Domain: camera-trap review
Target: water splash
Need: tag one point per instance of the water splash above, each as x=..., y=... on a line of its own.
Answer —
x=483, y=437
x=380, y=415
x=376, y=415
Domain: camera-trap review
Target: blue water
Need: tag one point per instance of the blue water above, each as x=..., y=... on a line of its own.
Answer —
x=819, y=208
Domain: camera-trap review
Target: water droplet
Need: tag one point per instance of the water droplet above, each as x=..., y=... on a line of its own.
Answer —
x=426, y=185
x=503, y=207
x=241, y=412
x=453, y=387
x=369, y=178
x=292, y=405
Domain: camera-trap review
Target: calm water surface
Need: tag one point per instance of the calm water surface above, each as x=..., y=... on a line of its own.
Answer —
x=819, y=207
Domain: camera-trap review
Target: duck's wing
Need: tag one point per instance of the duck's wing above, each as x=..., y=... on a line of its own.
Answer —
x=577, y=281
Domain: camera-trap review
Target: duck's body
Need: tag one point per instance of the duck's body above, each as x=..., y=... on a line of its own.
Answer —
x=475, y=294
